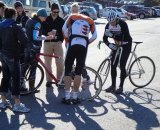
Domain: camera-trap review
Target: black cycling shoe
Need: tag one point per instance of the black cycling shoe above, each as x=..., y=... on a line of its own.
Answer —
x=119, y=91
x=111, y=89
x=49, y=84
x=66, y=101
x=76, y=101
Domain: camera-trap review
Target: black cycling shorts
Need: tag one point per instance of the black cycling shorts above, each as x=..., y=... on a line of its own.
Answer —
x=78, y=53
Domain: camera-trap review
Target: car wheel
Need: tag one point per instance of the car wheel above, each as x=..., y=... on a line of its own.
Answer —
x=141, y=16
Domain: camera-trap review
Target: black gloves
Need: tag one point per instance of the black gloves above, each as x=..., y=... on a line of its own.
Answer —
x=112, y=46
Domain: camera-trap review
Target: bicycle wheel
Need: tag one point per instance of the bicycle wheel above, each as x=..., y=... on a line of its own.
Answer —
x=92, y=87
x=103, y=70
x=32, y=78
x=142, y=71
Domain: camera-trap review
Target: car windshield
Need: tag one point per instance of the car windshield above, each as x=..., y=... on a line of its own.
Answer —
x=119, y=10
x=92, y=10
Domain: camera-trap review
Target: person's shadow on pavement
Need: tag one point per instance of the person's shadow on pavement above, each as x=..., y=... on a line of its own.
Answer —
x=71, y=113
x=36, y=118
x=4, y=121
x=145, y=118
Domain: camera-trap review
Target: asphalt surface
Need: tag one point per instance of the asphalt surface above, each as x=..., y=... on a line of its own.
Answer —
x=136, y=109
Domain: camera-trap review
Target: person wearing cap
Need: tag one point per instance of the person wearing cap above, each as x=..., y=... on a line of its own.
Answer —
x=53, y=25
x=34, y=33
x=21, y=20
x=2, y=7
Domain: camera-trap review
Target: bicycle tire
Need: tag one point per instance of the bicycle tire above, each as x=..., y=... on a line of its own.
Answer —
x=90, y=90
x=104, y=70
x=28, y=79
x=148, y=66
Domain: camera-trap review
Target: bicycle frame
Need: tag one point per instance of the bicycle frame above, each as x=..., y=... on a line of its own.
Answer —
x=44, y=65
x=133, y=54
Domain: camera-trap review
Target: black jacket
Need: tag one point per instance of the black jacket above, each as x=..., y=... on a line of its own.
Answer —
x=30, y=27
x=11, y=35
x=22, y=19
x=120, y=32
x=57, y=24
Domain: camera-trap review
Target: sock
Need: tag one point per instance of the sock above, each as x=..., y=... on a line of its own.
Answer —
x=67, y=95
x=75, y=95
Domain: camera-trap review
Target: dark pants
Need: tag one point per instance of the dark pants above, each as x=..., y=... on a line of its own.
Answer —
x=124, y=57
x=78, y=53
x=11, y=74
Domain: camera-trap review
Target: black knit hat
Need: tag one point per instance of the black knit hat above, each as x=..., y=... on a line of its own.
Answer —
x=18, y=4
x=2, y=4
x=54, y=6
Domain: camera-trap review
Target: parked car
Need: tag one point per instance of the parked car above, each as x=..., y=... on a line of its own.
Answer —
x=65, y=10
x=120, y=13
x=156, y=7
x=129, y=15
x=158, y=12
x=90, y=10
x=97, y=6
x=32, y=6
x=138, y=10
x=149, y=10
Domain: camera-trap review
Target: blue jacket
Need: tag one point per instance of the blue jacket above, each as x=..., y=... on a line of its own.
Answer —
x=11, y=37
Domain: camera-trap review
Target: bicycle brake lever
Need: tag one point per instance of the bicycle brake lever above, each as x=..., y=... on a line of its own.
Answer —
x=99, y=44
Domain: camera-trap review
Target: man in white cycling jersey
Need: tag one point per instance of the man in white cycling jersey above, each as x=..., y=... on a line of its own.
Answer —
x=76, y=31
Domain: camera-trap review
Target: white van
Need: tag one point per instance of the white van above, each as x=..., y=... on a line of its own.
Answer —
x=31, y=6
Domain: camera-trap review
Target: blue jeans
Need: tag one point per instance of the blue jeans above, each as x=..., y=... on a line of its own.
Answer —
x=11, y=74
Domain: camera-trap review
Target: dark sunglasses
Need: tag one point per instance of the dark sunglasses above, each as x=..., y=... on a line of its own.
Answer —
x=56, y=12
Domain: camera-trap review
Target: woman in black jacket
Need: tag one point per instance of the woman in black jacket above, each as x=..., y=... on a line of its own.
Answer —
x=10, y=34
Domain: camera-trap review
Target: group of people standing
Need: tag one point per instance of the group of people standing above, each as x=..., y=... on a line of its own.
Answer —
x=20, y=34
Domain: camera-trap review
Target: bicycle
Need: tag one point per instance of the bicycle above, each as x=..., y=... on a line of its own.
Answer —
x=141, y=70
x=87, y=92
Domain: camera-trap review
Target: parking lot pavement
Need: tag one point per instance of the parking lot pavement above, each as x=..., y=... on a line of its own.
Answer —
x=136, y=109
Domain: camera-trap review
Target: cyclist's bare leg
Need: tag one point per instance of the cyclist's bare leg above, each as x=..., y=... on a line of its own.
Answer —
x=67, y=81
x=77, y=82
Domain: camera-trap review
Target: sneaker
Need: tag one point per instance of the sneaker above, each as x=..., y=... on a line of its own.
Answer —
x=119, y=91
x=66, y=101
x=49, y=84
x=20, y=108
x=5, y=104
x=76, y=101
x=111, y=89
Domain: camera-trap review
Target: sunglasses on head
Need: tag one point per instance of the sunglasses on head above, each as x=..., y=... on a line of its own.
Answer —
x=56, y=12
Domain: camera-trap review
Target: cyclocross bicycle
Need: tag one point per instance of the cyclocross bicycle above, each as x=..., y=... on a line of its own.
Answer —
x=141, y=70
x=88, y=91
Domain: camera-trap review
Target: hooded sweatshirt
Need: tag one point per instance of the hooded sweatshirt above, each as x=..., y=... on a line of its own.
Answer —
x=11, y=37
